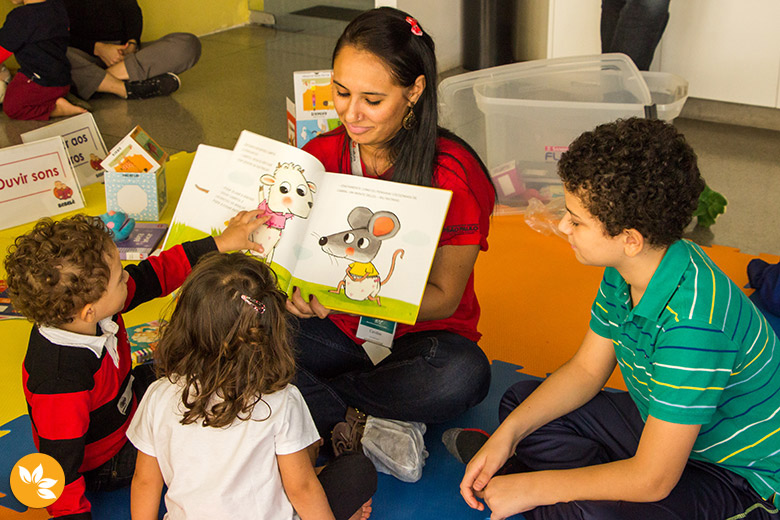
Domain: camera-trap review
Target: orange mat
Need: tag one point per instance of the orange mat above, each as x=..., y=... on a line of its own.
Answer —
x=536, y=297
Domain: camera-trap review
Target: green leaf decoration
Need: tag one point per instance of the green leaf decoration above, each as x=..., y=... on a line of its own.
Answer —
x=711, y=204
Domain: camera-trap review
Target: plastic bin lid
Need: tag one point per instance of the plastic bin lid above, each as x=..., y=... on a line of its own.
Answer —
x=573, y=81
x=602, y=78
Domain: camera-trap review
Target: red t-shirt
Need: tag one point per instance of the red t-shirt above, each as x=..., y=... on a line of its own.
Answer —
x=467, y=222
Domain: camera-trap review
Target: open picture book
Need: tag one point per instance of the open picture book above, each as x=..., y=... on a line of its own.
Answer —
x=360, y=245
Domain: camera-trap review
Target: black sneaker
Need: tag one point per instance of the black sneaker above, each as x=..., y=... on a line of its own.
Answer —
x=161, y=85
x=464, y=443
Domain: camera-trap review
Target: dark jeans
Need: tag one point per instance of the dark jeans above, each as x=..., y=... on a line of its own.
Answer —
x=117, y=472
x=349, y=481
x=429, y=377
x=633, y=27
x=607, y=429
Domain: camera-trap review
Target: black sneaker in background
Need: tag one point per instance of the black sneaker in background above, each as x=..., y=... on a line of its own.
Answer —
x=464, y=443
x=161, y=85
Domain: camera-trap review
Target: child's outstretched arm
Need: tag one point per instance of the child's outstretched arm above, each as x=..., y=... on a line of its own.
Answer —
x=146, y=488
x=302, y=486
x=236, y=235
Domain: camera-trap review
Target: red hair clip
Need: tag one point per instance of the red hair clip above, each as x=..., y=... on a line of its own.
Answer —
x=415, y=26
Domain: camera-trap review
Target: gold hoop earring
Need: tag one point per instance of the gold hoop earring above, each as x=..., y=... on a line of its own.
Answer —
x=410, y=119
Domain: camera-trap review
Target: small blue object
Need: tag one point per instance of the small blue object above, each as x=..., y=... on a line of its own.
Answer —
x=119, y=224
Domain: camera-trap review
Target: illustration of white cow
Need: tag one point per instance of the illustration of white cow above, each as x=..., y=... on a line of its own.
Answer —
x=283, y=195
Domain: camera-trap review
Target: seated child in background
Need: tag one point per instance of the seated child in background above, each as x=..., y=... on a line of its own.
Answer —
x=66, y=277
x=225, y=429
x=697, y=435
x=37, y=33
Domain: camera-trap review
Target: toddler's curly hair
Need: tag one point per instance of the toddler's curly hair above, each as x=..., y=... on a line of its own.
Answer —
x=58, y=267
x=635, y=174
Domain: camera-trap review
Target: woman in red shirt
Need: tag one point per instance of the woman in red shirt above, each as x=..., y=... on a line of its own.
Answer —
x=384, y=81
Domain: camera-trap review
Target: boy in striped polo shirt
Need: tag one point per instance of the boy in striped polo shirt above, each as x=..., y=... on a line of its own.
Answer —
x=697, y=435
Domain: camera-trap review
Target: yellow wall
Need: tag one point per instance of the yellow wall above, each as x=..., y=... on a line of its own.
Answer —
x=196, y=16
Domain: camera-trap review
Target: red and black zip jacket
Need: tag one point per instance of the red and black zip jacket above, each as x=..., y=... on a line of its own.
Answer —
x=80, y=406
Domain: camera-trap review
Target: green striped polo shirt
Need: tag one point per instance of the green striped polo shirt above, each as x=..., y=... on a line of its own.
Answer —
x=695, y=350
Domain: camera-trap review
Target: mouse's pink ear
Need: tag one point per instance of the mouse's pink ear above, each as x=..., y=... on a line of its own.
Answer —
x=383, y=226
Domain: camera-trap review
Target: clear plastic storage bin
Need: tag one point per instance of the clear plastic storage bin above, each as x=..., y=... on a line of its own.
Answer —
x=521, y=117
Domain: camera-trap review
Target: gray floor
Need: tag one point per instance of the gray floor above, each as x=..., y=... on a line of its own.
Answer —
x=245, y=74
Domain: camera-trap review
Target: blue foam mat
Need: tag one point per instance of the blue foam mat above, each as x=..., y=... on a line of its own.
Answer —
x=434, y=496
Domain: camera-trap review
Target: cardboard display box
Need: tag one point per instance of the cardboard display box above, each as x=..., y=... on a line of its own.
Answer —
x=313, y=112
x=135, y=177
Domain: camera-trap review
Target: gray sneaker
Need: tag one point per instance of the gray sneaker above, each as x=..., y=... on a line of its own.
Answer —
x=161, y=85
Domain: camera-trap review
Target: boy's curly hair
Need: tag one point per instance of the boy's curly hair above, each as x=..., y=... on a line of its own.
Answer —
x=635, y=174
x=223, y=350
x=58, y=267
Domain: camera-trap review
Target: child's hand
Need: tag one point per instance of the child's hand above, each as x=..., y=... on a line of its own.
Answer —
x=236, y=234
x=110, y=53
x=130, y=47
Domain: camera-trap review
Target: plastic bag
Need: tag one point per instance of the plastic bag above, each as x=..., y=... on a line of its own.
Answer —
x=544, y=218
x=396, y=448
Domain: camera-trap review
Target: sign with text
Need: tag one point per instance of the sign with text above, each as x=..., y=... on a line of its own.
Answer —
x=36, y=181
x=84, y=144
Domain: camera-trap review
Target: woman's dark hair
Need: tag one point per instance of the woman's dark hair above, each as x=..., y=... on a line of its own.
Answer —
x=228, y=340
x=386, y=33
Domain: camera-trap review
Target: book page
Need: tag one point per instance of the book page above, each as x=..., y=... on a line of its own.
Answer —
x=196, y=216
x=370, y=244
x=281, y=180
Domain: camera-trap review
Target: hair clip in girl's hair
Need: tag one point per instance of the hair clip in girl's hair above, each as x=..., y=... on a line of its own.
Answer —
x=258, y=306
x=415, y=26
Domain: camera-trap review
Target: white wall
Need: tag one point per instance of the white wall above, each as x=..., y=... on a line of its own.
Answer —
x=573, y=28
x=442, y=20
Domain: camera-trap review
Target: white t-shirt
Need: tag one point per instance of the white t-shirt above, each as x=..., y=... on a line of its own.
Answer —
x=228, y=472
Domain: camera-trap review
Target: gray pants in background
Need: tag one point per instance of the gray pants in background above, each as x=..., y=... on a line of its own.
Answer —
x=175, y=52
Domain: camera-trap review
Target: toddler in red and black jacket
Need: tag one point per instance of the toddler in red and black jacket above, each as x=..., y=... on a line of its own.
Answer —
x=66, y=277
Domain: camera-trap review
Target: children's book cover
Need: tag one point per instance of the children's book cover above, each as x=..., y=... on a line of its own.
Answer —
x=360, y=245
x=7, y=310
x=143, y=340
x=142, y=240
x=137, y=152
x=313, y=112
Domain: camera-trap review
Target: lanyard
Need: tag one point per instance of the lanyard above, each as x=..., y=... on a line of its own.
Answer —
x=354, y=156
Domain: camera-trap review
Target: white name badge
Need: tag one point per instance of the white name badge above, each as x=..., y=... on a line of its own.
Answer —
x=378, y=335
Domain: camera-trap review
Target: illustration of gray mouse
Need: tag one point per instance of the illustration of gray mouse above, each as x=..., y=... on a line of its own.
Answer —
x=360, y=244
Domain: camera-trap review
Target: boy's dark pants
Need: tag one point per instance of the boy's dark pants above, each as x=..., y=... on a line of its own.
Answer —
x=117, y=472
x=607, y=429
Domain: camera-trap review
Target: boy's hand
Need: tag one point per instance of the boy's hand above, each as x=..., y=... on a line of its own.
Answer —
x=108, y=52
x=236, y=235
x=507, y=495
x=481, y=468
